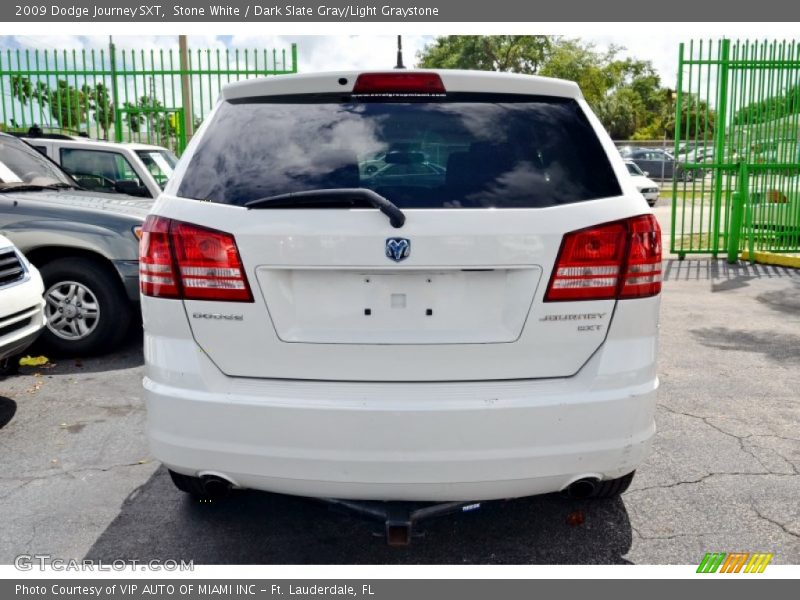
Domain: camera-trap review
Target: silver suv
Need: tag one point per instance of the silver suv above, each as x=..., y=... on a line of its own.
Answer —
x=85, y=245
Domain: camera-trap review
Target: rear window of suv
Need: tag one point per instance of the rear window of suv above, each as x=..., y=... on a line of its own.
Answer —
x=458, y=151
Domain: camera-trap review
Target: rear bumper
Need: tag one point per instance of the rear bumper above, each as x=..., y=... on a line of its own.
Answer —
x=413, y=442
x=129, y=274
x=401, y=441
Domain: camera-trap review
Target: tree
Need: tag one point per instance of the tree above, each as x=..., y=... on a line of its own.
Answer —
x=595, y=72
x=626, y=93
x=150, y=112
x=697, y=119
x=66, y=104
x=618, y=113
x=511, y=53
x=100, y=106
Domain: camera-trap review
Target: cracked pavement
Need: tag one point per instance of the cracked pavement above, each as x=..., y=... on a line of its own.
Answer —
x=76, y=478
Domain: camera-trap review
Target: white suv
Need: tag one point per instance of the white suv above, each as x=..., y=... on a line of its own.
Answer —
x=481, y=323
x=124, y=168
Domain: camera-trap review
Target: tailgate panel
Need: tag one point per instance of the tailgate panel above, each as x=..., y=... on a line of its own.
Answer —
x=430, y=306
x=489, y=272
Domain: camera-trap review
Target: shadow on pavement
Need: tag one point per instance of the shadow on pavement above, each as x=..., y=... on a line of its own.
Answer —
x=127, y=355
x=158, y=522
x=8, y=408
x=723, y=275
x=778, y=346
x=786, y=300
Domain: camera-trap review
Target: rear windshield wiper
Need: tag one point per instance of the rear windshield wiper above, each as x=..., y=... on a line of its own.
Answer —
x=333, y=196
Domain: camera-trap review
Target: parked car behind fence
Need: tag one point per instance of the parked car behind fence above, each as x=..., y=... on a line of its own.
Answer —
x=660, y=164
x=110, y=167
x=648, y=188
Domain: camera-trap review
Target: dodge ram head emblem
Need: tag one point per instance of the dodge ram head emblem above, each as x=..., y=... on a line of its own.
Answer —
x=398, y=248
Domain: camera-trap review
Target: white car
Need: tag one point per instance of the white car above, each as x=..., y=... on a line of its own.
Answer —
x=488, y=334
x=21, y=304
x=646, y=186
x=125, y=168
x=773, y=207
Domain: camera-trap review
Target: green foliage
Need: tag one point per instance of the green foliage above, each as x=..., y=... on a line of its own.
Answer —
x=512, y=53
x=595, y=72
x=68, y=106
x=697, y=117
x=619, y=112
x=101, y=106
x=625, y=93
x=770, y=108
x=148, y=114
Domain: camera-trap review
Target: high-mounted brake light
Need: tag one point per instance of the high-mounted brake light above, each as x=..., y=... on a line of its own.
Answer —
x=613, y=260
x=399, y=83
x=181, y=260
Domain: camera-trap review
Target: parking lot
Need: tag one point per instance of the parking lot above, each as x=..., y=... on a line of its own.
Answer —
x=77, y=479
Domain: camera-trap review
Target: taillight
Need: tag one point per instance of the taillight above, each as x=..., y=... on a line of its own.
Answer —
x=614, y=260
x=642, y=276
x=399, y=83
x=181, y=260
x=157, y=275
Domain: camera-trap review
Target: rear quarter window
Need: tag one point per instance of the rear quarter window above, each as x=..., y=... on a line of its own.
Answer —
x=458, y=151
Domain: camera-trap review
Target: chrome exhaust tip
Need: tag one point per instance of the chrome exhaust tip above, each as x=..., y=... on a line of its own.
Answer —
x=582, y=488
x=215, y=486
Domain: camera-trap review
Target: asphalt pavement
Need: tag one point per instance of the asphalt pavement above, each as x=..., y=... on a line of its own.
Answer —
x=76, y=478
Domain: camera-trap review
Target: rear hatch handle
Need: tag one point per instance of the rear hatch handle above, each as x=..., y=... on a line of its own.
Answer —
x=333, y=196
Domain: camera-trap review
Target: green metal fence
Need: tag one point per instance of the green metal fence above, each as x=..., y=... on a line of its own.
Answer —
x=124, y=95
x=737, y=137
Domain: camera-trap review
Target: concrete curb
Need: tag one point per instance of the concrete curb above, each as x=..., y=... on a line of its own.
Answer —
x=771, y=258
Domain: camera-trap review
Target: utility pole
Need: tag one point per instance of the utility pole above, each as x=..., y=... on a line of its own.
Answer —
x=186, y=87
x=112, y=53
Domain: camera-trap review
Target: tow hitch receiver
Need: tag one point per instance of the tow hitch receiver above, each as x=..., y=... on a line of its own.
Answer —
x=399, y=518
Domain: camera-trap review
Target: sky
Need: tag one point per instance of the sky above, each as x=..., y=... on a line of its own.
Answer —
x=656, y=42
x=337, y=52
x=315, y=53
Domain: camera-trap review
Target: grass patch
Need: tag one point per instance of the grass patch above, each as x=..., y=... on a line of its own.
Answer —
x=699, y=242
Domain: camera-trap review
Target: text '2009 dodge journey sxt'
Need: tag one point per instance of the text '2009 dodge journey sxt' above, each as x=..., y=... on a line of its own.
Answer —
x=416, y=286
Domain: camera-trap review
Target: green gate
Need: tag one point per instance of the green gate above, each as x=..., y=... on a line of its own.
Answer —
x=737, y=144
x=122, y=94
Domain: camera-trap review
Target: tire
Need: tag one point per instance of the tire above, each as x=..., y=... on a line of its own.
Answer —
x=9, y=366
x=91, y=293
x=612, y=488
